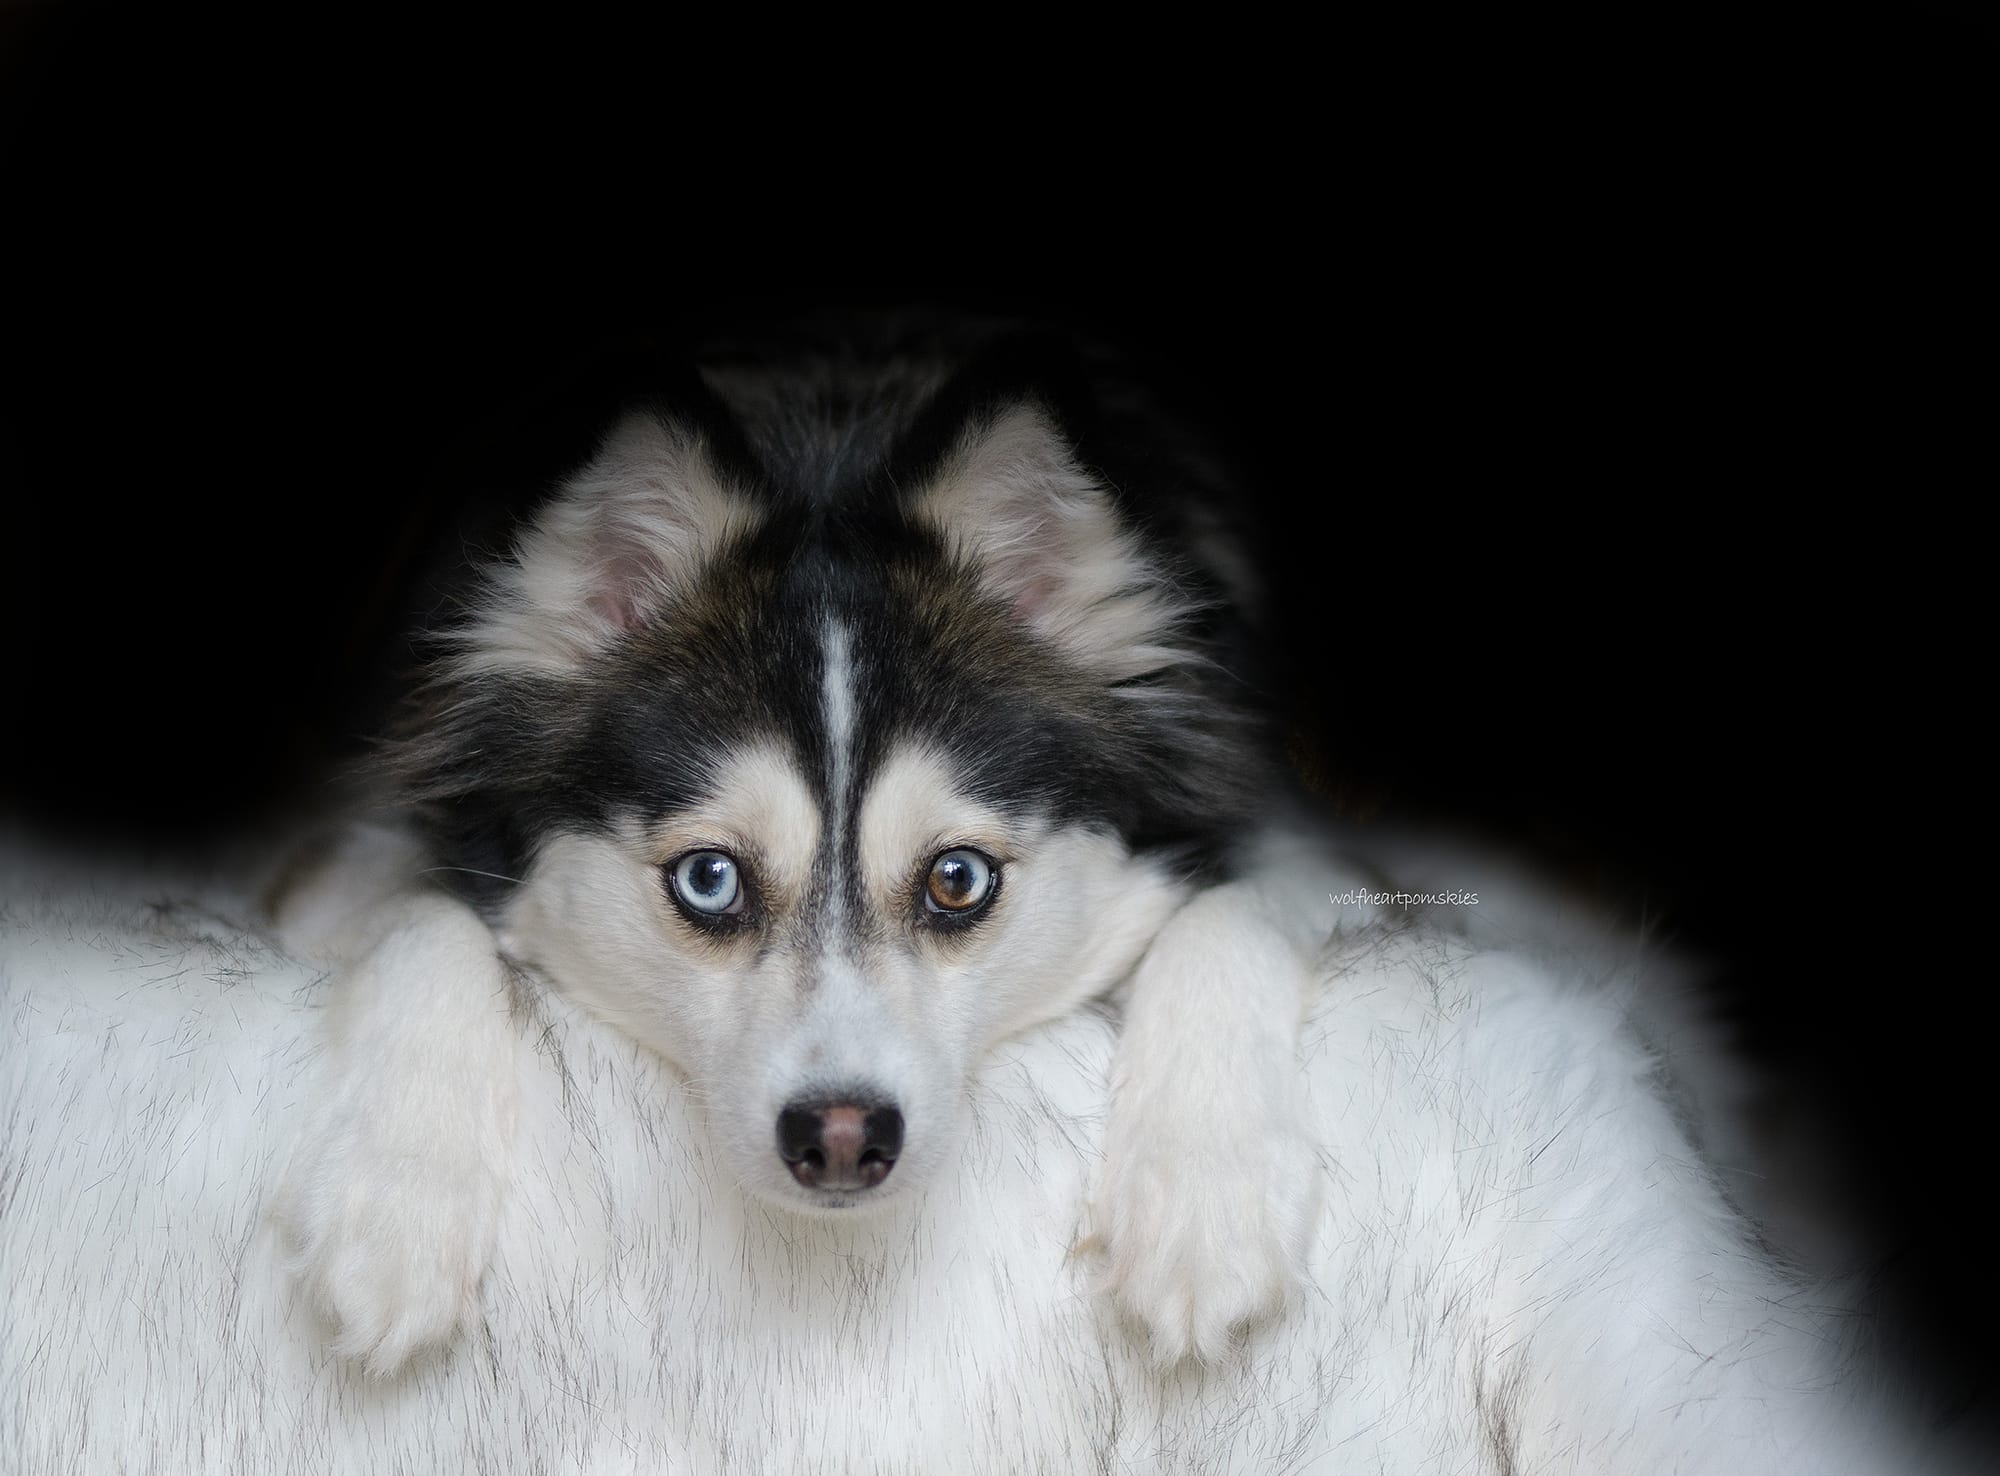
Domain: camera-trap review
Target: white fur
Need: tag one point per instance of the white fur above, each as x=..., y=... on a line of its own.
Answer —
x=1209, y=1191
x=393, y=1198
x=837, y=708
x=1208, y=1194
x=1523, y=1267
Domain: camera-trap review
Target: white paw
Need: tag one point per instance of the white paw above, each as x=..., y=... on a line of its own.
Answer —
x=1203, y=1232
x=389, y=1246
x=392, y=1202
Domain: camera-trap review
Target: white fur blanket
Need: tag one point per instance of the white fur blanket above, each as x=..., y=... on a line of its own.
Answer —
x=1522, y=1265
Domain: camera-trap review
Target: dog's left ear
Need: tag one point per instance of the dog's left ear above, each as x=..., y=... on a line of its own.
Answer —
x=1012, y=500
x=622, y=538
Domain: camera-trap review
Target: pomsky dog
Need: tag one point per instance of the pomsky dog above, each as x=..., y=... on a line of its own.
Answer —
x=850, y=710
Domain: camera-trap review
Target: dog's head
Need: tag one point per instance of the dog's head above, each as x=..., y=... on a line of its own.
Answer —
x=820, y=789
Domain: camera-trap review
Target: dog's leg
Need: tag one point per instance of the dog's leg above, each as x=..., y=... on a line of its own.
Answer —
x=1210, y=1185
x=392, y=1200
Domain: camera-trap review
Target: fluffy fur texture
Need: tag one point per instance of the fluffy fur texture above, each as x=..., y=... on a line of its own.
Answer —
x=825, y=732
x=830, y=625
x=1526, y=1266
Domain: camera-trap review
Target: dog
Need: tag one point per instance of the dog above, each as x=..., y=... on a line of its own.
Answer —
x=1526, y=1263
x=850, y=742
x=853, y=708
x=835, y=894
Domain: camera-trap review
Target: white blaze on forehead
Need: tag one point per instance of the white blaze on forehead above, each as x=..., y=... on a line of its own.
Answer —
x=758, y=806
x=914, y=806
x=837, y=701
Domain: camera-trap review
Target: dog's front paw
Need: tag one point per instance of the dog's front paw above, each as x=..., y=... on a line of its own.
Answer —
x=391, y=1249
x=1202, y=1234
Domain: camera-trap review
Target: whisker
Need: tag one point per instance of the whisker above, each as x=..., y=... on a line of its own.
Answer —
x=470, y=871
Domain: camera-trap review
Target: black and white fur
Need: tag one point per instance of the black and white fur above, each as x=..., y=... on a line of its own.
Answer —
x=836, y=621
x=833, y=619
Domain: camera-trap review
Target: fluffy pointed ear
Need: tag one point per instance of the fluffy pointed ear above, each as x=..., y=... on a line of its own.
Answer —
x=1012, y=500
x=624, y=536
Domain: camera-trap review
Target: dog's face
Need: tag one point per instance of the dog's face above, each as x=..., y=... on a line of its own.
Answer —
x=794, y=964
x=819, y=804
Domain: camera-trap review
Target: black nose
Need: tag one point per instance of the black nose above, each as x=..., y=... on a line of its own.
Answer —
x=840, y=1144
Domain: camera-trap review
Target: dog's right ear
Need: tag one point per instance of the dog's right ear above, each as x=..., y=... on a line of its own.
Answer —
x=621, y=539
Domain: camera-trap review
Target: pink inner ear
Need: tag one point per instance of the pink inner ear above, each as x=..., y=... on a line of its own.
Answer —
x=1033, y=594
x=621, y=587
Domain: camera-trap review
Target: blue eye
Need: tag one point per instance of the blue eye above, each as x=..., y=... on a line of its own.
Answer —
x=708, y=882
x=959, y=882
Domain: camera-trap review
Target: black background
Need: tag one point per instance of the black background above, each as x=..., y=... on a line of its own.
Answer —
x=1613, y=398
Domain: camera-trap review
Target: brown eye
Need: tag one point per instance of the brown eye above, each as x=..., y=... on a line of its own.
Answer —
x=959, y=882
